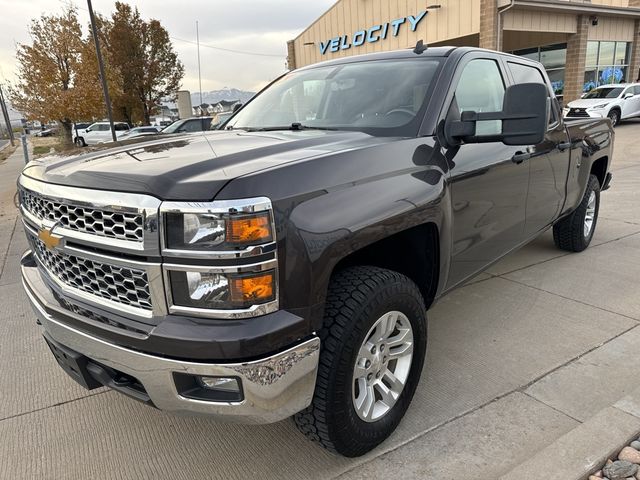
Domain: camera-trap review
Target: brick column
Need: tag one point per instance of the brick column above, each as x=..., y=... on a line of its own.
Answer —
x=291, y=55
x=489, y=24
x=576, y=59
x=634, y=59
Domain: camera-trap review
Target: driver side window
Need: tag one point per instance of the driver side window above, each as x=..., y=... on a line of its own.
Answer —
x=481, y=89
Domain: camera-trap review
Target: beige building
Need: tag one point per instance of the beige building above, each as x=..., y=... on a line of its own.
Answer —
x=581, y=44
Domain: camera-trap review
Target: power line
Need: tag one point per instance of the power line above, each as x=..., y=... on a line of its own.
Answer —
x=229, y=49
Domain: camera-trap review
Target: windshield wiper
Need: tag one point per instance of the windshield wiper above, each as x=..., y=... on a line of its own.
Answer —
x=295, y=127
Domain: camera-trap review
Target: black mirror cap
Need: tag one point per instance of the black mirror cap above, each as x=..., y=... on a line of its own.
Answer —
x=526, y=113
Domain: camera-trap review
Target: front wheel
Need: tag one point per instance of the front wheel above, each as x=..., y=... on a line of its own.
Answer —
x=614, y=116
x=80, y=142
x=373, y=349
x=574, y=233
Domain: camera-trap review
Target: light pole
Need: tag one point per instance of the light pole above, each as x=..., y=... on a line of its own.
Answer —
x=103, y=78
x=5, y=114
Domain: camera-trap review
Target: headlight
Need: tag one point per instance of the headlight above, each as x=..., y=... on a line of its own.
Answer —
x=217, y=231
x=220, y=258
x=601, y=106
x=222, y=291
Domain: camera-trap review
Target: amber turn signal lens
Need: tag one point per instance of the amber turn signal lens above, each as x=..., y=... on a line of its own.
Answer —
x=249, y=229
x=254, y=289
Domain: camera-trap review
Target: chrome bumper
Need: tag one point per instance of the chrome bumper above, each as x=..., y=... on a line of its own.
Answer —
x=274, y=388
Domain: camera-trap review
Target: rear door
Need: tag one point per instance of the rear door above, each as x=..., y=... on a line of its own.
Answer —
x=488, y=183
x=549, y=161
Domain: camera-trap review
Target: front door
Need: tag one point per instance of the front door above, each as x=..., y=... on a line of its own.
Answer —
x=631, y=105
x=488, y=180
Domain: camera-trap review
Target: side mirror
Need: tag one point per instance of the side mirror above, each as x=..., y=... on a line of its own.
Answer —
x=523, y=119
x=627, y=95
x=88, y=130
x=237, y=107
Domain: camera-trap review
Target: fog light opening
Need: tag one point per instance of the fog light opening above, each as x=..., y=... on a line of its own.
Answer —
x=223, y=384
x=209, y=388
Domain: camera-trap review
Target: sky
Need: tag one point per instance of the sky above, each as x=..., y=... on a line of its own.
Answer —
x=259, y=26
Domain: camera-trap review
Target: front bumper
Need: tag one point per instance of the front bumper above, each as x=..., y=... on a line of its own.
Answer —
x=274, y=387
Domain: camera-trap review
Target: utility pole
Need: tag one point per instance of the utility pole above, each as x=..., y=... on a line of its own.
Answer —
x=199, y=76
x=103, y=78
x=5, y=114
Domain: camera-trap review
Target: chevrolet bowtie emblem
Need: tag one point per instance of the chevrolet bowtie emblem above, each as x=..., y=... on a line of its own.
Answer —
x=50, y=239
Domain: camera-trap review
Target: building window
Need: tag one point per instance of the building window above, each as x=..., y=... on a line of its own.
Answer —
x=553, y=58
x=607, y=62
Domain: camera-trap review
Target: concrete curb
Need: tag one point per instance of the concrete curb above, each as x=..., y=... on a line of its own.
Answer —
x=583, y=450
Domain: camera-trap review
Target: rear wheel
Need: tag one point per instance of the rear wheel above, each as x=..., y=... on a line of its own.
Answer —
x=373, y=348
x=574, y=233
x=614, y=116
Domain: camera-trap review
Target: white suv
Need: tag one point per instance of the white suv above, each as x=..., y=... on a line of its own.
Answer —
x=100, y=132
x=618, y=102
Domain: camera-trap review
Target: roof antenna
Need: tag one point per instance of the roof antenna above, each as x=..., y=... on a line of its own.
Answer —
x=420, y=47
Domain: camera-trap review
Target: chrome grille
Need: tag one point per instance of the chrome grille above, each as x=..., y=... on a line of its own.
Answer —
x=578, y=112
x=105, y=223
x=83, y=312
x=122, y=285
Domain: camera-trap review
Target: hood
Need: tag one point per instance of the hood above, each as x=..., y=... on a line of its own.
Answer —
x=590, y=102
x=190, y=167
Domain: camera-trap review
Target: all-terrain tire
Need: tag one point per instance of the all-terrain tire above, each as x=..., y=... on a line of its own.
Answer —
x=569, y=233
x=357, y=298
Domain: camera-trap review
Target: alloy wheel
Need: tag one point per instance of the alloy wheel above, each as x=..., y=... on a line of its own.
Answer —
x=590, y=214
x=382, y=366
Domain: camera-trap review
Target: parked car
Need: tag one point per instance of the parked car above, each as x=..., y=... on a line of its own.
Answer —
x=100, y=132
x=195, y=124
x=140, y=132
x=220, y=120
x=284, y=266
x=47, y=132
x=617, y=102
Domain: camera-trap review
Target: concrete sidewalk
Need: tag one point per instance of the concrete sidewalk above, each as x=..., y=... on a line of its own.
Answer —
x=517, y=359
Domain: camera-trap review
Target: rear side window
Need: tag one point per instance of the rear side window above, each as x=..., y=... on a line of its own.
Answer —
x=481, y=89
x=120, y=127
x=193, y=126
x=528, y=74
x=636, y=90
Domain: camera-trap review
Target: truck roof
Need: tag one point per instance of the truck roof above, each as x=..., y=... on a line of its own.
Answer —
x=408, y=53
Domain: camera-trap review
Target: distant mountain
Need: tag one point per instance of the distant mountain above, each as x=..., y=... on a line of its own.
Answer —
x=225, y=94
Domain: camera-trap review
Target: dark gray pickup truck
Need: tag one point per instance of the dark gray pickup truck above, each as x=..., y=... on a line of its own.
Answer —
x=284, y=265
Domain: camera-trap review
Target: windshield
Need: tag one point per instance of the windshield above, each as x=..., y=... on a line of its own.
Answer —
x=377, y=97
x=604, y=93
x=173, y=127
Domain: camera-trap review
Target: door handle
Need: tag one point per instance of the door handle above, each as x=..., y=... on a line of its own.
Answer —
x=520, y=157
x=562, y=146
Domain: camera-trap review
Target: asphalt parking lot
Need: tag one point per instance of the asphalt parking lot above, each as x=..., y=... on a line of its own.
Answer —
x=517, y=358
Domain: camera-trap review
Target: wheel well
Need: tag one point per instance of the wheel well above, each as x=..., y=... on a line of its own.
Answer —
x=413, y=252
x=599, y=169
